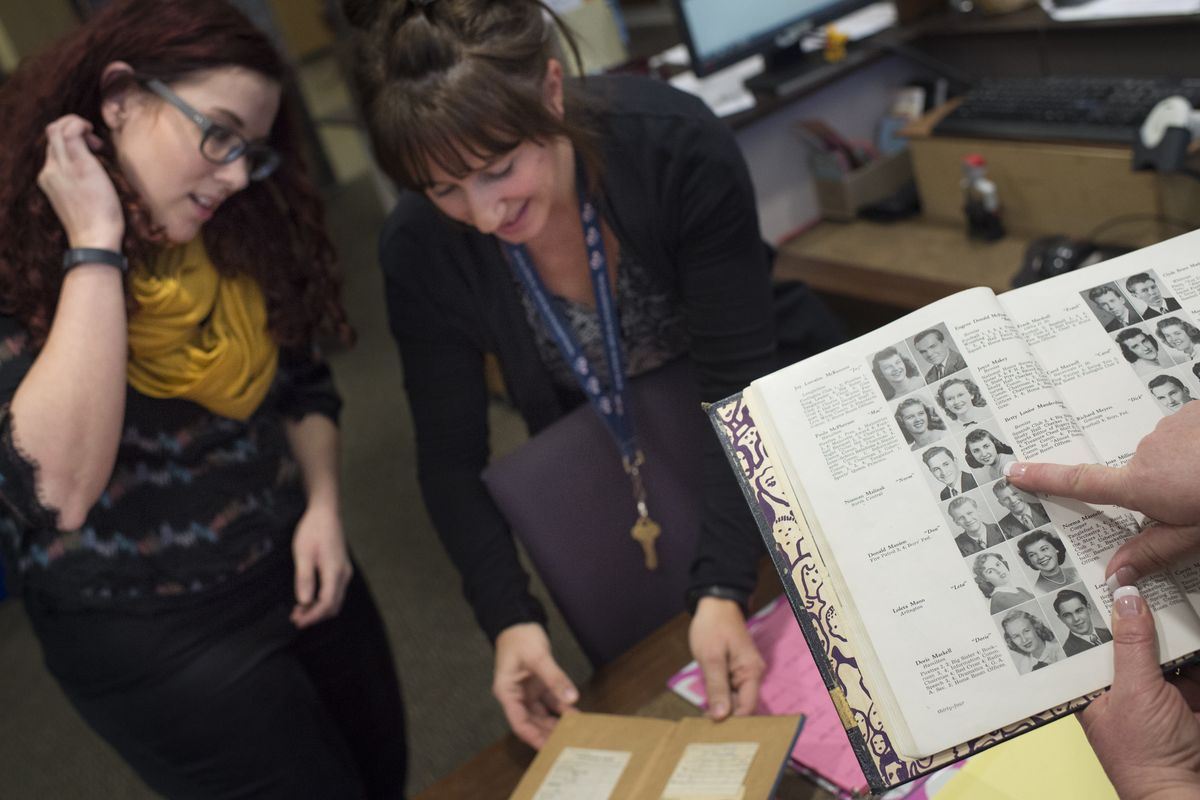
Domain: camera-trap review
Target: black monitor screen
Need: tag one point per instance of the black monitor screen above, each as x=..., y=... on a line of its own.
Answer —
x=720, y=32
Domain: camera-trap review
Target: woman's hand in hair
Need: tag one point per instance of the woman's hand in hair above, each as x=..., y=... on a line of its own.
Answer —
x=78, y=187
x=529, y=685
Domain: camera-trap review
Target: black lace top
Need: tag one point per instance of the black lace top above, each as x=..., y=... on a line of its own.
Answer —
x=652, y=327
x=196, y=501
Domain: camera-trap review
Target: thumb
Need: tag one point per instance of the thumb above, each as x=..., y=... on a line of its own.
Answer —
x=1135, y=643
x=1091, y=483
x=1155, y=549
x=557, y=683
x=716, y=685
x=305, y=584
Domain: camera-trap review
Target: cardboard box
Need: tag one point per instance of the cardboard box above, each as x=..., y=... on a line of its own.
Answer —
x=840, y=200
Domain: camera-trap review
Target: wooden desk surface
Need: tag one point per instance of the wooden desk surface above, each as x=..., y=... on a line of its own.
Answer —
x=907, y=264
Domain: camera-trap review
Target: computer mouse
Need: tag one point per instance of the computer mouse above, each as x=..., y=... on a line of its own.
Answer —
x=1050, y=256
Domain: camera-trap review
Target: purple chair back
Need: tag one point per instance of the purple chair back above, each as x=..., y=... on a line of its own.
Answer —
x=569, y=503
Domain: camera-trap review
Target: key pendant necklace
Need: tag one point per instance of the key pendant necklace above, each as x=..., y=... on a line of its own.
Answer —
x=612, y=405
x=644, y=530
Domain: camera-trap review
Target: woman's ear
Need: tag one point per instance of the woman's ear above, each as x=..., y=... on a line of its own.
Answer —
x=114, y=107
x=552, y=86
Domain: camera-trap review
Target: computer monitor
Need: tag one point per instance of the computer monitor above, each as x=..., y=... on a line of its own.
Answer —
x=722, y=32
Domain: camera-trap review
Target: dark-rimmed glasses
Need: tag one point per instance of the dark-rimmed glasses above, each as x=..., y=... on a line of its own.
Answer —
x=218, y=143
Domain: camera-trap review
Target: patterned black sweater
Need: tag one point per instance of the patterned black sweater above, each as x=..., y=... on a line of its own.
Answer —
x=197, y=502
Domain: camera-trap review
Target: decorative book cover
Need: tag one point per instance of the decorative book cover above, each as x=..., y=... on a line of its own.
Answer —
x=815, y=604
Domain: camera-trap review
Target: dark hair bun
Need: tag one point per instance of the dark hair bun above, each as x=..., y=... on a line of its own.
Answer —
x=362, y=14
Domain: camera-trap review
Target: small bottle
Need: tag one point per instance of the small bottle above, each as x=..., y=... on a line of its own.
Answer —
x=981, y=203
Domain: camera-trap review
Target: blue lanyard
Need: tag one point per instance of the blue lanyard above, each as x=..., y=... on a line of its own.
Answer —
x=612, y=406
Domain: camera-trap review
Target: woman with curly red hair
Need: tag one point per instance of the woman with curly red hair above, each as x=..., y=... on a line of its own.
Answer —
x=168, y=439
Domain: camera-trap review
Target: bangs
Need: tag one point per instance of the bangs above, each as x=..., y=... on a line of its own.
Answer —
x=455, y=135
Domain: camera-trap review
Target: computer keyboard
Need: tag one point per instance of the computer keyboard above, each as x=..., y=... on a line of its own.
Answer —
x=1062, y=108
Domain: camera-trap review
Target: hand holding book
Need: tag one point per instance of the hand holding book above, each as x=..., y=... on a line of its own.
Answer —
x=1160, y=481
x=948, y=606
x=1144, y=730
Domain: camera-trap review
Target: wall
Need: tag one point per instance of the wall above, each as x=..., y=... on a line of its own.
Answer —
x=26, y=26
x=778, y=163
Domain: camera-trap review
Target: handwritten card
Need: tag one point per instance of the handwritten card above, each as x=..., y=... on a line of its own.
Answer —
x=583, y=774
x=711, y=772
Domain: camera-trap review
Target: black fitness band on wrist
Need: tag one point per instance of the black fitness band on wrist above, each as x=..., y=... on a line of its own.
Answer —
x=694, y=596
x=92, y=255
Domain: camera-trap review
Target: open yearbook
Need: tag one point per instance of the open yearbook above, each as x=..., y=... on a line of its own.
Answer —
x=946, y=609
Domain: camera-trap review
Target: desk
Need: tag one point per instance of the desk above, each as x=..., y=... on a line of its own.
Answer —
x=907, y=264
x=853, y=95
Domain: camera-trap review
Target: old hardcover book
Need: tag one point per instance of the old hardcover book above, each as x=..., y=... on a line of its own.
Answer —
x=602, y=756
x=947, y=610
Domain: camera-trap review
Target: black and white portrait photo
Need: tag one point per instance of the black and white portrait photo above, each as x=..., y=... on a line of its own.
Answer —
x=1142, y=352
x=919, y=421
x=987, y=455
x=1045, y=554
x=1000, y=583
x=1151, y=295
x=1179, y=336
x=962, y=401
x=1111, y=307
x=951, y=479
x=1031, y=643
x=895, y=371
x=977, y=531
x=1023, y=514
x=1083, y=624
x=1170, y=392
x=939, y=357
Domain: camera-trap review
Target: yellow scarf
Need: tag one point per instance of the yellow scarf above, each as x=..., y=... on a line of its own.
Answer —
x=199, y=335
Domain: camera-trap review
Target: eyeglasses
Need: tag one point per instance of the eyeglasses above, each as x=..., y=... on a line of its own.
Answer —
x=220, y=144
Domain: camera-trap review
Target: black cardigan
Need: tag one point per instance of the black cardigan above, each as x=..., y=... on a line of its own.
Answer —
x=678, y=195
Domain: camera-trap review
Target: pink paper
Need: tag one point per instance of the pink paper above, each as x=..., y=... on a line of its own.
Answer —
x=791, y=685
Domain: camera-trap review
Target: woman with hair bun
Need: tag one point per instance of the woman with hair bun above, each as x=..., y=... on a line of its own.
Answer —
x=611, y=218
x=168, y=439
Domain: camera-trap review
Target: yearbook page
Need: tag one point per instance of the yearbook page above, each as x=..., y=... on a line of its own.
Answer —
x=1120, y=341
x=959, y=591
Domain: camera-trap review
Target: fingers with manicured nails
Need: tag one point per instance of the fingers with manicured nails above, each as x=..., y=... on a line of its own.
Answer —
x=1091, y=483
x=1155, y=549
x=1143, y=729
x=1135, y=643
